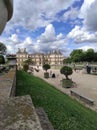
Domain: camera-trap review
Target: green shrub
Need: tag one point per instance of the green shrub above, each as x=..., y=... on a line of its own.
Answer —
x=66, y=70
x=25, y=67
x=46, y=67
x=2, y=59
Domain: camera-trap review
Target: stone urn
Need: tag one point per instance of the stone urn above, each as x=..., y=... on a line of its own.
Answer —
x=6, y=11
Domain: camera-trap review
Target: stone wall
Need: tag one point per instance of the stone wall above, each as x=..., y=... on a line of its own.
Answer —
x=7, y=84
x=19, y=113
x=13, y=88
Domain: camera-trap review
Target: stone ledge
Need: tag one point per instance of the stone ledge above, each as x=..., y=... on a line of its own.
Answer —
x=7, y=84
x=18, y=113
x=45, y=123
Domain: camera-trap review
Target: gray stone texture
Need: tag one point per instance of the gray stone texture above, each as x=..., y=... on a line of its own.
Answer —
x=7, y=84
x=45, y=123
x=18, y=113
x=3, y=15
x=6, y=11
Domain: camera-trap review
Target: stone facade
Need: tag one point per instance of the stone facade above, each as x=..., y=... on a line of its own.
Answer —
x=53, y=58
x=37, y=58
x=21, y=56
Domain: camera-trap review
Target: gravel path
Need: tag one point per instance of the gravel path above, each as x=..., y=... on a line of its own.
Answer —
x=86, y=84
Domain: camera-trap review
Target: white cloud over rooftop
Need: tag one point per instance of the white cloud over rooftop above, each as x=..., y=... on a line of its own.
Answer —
x=79, y=23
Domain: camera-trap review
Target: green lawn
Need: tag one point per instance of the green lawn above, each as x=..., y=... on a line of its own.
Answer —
x=64, y=112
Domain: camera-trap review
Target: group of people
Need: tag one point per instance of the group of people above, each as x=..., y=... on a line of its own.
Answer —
x=86, y=68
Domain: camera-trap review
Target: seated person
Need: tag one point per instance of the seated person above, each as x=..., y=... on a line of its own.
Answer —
x=53, y=75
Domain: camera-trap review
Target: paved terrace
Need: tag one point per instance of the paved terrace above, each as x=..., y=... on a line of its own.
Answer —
x=86, y=84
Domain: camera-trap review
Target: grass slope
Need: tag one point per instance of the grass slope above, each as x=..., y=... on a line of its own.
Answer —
x=64, y=112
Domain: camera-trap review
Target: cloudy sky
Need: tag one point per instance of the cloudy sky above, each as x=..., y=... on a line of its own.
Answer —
x=44, y=25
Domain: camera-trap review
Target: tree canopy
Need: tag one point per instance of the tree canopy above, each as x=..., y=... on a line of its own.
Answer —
x=2, y=59
x=76, y=55
x=2, y=48
x=46, y=67
x=66, y=70
x=79, y=55
x=29, y=61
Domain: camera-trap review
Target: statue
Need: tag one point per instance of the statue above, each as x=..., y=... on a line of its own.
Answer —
x=6, y=11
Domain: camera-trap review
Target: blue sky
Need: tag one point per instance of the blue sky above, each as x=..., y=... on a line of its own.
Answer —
x=45, y=25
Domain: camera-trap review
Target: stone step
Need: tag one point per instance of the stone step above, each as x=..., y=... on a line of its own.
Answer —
x=45, y=123
x=18, y=113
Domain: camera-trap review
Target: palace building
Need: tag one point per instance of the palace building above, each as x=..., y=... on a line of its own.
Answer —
x=21, y=56
x=54, y=57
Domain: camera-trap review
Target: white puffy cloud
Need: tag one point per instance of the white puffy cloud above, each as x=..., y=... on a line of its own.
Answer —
x=86, y=47
x=89, y=14
x=71, y=14
x=9, y=49
x=10, y=42
x=28, y=41
x=49, y=40
x=59, y=36
x=13, y=43
x=14, y=38
x=87, y=32
x=48, y=35
x=32, y=14
x=80, y=35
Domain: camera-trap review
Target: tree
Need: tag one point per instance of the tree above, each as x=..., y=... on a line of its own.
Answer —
x=76, y=55
x=29, y=61
x=2, y=48
x=95, y=57
x=46, y=67
x=66, y=70
x=90, y=55
x=2, y=59
x=68, y=60
x=26, y=64
x=25, y=67
x=80, y=55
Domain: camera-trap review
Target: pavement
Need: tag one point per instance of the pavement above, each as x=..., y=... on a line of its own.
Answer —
x=86, y=84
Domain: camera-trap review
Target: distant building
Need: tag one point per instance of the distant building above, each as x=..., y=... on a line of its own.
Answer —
x=11, y=59
x=37, y=58
x=53, y=58
x=21, y=56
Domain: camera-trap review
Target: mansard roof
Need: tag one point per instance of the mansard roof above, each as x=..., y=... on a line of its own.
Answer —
x=37, y=53
x=22, y=51
x=58, y=52
x=54, y=52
